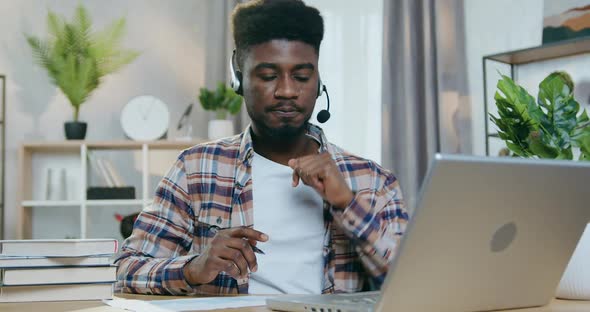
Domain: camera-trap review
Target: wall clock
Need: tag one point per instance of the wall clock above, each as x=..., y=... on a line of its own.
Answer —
x=145, y=118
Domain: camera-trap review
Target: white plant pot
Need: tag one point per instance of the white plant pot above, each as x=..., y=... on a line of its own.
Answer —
x=220, y=129
x=575, y=282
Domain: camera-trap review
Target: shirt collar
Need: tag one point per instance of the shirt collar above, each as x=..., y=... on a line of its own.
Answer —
x=246, y=148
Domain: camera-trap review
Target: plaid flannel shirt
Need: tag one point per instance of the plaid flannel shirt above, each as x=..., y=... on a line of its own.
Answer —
x=210, y=184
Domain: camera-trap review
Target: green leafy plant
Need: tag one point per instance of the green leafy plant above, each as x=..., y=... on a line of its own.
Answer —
x=76, y=58
x=222, y=100
x=550, y=127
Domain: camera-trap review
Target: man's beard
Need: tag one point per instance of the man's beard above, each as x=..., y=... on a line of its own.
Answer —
x=284, y=132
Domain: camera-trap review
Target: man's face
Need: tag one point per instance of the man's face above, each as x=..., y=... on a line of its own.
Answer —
x=280, y=80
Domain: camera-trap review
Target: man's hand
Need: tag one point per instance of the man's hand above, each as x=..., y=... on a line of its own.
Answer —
x=230, y=251
x=320, y=172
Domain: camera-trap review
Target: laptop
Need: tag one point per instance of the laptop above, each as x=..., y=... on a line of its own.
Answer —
x=487, y=233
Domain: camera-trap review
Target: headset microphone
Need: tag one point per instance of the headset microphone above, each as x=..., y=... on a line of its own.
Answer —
x=324, y=114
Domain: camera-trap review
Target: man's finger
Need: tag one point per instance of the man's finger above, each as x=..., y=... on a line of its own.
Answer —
x=230, y=268
x=295, y=178
x=247, y=252
x=294, y=164
x=235, y=256
x=248, y=233
x=317, y=184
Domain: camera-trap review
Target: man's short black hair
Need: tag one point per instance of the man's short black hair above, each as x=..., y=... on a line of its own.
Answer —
x=261, y=21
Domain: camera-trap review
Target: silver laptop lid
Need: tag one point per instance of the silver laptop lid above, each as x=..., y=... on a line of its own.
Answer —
x=489, y=233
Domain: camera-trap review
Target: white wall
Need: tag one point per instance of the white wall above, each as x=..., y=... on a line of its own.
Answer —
x=492, y=27
x=350, y=66
x=175, y=62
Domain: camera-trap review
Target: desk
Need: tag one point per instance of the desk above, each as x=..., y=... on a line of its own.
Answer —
x=97, y=306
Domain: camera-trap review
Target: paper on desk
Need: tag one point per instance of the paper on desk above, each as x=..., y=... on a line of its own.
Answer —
x=134, y=305
x=210, y=303
x=189, y=304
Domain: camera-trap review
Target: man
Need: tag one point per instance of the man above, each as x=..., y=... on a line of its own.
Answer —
x=327, y=221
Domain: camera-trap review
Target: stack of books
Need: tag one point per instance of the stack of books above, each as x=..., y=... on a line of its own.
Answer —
x=57, y=270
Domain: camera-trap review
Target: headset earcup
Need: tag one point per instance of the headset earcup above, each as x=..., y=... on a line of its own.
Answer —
x=235, y=83
x=320, y=88
x=239, y=90
x=236, y=76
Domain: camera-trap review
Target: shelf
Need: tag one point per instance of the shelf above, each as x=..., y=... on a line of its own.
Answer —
x=51, y=203
x=543, y=52
x=116, y=202
x=74, y=145
x=80, y=149
x=76, y=203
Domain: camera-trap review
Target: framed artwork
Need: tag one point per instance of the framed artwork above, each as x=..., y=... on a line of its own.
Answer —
x=565, y=20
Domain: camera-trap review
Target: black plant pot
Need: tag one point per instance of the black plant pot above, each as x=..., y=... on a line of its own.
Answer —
x=75, y=130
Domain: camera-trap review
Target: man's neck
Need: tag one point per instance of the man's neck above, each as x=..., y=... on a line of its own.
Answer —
x=281, y=150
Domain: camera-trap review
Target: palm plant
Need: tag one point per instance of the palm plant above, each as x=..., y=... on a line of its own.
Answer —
x=550, y=127
x=76, y=58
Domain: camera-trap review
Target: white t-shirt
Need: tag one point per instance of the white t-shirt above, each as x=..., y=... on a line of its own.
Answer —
x=293, y=219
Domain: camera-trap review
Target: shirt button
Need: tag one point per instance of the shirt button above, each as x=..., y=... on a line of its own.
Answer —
x=218, y=220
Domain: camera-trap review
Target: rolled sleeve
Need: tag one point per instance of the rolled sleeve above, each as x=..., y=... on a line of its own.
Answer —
x=375, y=220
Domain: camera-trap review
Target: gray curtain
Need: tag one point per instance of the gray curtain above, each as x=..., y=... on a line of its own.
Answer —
x=410, y=111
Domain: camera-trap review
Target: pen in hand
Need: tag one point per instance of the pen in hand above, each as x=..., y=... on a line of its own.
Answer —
x=214, y=229
x=257, y=250
x=254, y=248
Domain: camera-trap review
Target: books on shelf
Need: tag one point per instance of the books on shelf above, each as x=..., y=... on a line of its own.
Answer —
x=56, y=292
x=105, y=169
x=58, y=247
x=57, y=269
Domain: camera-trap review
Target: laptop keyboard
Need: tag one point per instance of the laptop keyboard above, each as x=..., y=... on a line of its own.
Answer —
x=359, y=298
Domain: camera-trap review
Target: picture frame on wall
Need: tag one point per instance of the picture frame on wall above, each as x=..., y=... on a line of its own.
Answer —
x=565, y=20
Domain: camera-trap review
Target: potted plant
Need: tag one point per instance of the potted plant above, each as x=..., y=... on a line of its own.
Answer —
x=76, y=59
x=222, y=101
x=553, y=126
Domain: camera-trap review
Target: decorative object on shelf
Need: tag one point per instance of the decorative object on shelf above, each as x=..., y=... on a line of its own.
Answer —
x=145, y=118
x=185, y=122
x=56, y=184
x=222, y=101
x=76, y=59
x=126, y=223
x=110, y=192
x=550, y=127
x=562, y=21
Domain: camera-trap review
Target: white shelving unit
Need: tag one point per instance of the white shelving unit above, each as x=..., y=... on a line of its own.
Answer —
x=80, y=149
